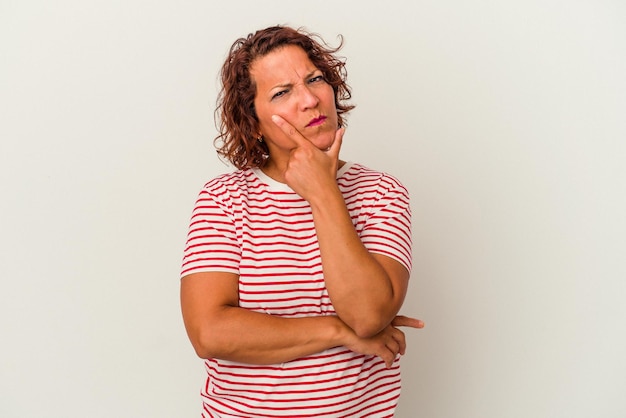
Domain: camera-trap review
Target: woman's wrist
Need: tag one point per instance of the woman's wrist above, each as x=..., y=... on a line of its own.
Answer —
x=341, y=333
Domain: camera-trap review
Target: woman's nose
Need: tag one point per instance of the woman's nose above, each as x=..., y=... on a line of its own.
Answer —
x=307, y=98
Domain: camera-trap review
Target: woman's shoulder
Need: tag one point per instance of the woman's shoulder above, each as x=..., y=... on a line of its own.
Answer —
x=233, y=179
x=230, y=187
x=359, y=173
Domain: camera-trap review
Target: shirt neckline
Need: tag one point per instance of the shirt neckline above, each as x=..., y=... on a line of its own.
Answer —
x=283, y=187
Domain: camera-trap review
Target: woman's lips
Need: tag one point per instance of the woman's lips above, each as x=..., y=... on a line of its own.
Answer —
x=317, y=121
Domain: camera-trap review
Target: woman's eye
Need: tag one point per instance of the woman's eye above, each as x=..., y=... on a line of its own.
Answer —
x=315, y=79
x=280, y=93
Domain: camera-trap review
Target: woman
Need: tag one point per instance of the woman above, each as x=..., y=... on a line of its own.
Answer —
x=297, y=264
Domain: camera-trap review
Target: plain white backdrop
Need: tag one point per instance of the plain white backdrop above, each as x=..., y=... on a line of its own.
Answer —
x=505, y=120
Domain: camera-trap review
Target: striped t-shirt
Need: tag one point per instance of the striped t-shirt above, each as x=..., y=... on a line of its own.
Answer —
x=248, y=224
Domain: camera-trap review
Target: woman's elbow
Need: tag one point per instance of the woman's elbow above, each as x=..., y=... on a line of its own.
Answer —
x=202, y=351
x=367, y=325
x=367, y=328
x=204, y=344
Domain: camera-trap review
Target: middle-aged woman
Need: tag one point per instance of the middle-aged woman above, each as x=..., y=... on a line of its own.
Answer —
x=297, y=263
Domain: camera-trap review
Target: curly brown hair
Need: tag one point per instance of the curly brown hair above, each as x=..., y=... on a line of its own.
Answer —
x=235, y=116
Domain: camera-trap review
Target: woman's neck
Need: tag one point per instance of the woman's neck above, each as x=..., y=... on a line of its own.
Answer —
x=274, y=171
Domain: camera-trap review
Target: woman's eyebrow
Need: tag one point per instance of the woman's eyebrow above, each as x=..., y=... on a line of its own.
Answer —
x=282, y=85
x=289, y=84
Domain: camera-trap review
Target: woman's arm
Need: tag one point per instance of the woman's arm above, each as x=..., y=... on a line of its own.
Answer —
x=367, y=290
x=219, y=328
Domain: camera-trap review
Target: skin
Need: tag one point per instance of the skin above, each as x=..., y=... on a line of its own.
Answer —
x=304, y=153
x=291, y=87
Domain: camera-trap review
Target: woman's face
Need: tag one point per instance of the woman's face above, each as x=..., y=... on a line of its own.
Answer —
x=289, y=85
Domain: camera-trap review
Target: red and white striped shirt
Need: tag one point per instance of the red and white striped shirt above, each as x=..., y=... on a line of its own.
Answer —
x=248, y=224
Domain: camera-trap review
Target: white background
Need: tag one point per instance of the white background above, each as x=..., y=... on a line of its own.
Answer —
x=505, y=120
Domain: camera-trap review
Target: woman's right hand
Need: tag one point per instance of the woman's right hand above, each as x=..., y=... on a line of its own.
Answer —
x=388, y=343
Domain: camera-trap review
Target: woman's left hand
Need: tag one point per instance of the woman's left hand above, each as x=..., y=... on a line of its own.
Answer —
x=310, y=171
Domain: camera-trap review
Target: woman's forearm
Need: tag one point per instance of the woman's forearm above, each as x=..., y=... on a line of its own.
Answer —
x=365, y=293
x=237, y=334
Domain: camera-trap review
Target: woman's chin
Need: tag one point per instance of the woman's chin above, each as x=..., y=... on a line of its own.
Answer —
x=324, y=142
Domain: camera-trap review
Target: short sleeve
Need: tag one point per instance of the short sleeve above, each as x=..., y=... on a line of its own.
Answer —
x=387, y=230
x=212, y=243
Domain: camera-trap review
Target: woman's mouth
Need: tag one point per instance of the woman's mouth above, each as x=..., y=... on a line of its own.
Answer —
x=317, y=121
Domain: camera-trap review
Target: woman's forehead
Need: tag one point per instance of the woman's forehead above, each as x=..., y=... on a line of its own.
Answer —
x=282, y=65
